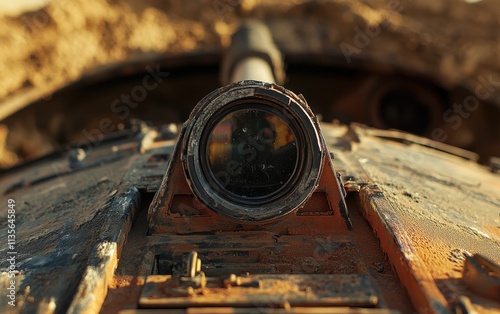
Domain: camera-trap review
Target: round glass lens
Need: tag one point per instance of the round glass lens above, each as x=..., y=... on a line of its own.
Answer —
x=252, y=153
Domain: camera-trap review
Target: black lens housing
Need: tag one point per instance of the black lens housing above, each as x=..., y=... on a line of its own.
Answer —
x=262, y=105
x=269, y=98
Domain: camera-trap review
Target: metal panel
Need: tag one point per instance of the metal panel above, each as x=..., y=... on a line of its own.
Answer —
x=261, y=291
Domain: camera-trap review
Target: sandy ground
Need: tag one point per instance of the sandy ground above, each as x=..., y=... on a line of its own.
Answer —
x=455, y=40
x=60, y=41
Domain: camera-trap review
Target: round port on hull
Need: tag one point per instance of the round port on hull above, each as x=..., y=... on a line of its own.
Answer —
x=252, y=151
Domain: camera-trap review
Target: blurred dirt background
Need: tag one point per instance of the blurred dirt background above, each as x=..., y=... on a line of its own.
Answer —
x=45, y=47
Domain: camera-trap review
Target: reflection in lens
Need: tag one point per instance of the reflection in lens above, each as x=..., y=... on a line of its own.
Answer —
x=252, y=153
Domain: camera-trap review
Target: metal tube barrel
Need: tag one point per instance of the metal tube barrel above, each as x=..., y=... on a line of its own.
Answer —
x=252, y=56
x=253, y=68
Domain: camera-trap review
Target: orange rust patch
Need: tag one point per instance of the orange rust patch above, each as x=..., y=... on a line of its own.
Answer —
x=437, y=256
x=493, y=230
x=123, y=293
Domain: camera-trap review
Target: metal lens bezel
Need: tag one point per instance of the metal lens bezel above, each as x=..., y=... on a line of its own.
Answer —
x=276, y=100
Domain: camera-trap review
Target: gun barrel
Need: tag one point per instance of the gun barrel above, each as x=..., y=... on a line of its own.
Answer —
x=253, y=68
x=252, y=55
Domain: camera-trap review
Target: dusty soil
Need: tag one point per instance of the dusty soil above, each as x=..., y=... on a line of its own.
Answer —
x=41, y=50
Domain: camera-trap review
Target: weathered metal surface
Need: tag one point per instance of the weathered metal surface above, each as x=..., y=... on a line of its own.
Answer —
x=71, y=224
x=193, y=289
x=262, y=291
x=394, y=241
x=54, y=222
x=428, y=208
x=340, y=252
x=260, y=310
x=407, y=256
x=103, y=260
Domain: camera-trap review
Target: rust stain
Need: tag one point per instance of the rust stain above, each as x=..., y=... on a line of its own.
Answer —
x=123, y=293
x=411, y=270
x=436, y=256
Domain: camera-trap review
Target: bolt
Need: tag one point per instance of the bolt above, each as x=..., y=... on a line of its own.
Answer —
x=75, y=157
